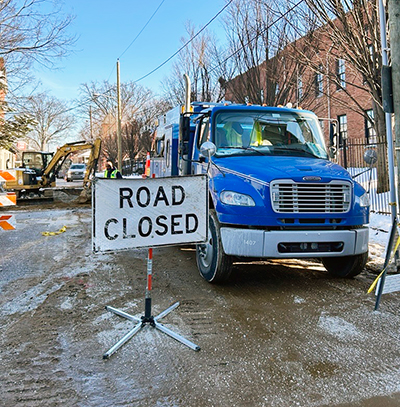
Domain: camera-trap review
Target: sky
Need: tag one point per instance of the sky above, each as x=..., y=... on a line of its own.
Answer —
x=106, y=30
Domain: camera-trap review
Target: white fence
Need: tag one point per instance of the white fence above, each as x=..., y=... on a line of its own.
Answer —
x=368, y=179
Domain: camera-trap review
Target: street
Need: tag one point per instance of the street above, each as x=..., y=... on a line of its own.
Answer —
x=279, y=334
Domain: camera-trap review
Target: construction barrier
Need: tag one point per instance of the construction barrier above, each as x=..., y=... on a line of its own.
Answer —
x=147, y=167
x=8, y=199
x=9, y=175
x=7, y=222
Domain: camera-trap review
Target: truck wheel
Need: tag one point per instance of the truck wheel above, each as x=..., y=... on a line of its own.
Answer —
x=348, y=266
x=214, y=265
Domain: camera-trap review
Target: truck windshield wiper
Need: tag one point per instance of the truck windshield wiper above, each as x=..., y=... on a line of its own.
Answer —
x=244, y=148
x=296, y=150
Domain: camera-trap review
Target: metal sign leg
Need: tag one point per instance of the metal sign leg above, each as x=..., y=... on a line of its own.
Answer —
x=147, y=318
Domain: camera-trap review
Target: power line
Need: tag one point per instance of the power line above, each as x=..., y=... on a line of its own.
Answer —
x=148, y=21
x=202, y=29
x=166, y=61
x=186, y=44
x=137, y=36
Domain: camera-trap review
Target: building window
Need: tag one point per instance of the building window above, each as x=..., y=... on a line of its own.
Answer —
x=342, y=129
x=319, y=82
x=341, y=73
x=370, y=132
x=299, y=88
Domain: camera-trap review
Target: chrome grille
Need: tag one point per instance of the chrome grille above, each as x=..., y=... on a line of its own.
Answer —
x=293, y=197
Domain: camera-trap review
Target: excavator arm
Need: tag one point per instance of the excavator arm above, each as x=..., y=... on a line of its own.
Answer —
x=91, y=165
x=63, y=152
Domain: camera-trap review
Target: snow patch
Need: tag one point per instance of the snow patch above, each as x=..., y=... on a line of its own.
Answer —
x=338, y=327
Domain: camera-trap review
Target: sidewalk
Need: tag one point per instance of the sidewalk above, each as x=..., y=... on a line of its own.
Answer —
x=379, y=228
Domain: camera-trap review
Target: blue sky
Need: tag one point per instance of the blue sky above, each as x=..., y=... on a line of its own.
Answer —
x=105, y=30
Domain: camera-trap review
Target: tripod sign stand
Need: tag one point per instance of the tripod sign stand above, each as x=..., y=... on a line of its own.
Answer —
x=147, y=318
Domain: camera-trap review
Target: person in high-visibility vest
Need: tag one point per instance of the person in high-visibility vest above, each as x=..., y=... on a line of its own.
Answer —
x=111, y=171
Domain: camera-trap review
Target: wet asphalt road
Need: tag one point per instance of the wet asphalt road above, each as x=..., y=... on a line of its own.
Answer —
x=279, y=334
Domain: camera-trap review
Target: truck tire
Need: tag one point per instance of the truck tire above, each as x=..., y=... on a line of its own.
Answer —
x=214, y=265
x=347, y=266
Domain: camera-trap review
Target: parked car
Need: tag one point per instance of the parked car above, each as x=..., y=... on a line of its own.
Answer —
x=75, y=172
x=61, y=174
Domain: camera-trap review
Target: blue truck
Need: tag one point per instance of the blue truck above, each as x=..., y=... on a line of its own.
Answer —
x=273, y=192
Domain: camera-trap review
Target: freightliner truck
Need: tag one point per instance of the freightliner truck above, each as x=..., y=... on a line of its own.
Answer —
x=273, y=192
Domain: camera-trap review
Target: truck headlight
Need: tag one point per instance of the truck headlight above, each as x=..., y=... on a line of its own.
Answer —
x=364, y=199
x=234, y=198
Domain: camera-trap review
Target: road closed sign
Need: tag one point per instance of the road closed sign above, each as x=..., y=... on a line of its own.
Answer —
x=137, y=212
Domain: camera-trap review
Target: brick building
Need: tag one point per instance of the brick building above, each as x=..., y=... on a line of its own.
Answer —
x=313, y=75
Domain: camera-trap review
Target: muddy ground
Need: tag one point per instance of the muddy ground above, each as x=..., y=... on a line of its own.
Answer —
x=279, y=334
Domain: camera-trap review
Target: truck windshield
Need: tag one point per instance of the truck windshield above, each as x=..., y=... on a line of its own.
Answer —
x=268, y=133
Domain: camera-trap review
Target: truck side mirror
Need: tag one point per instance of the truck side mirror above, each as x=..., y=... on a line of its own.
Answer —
x=184, y=136
x=208, y=149
x=185, y=128
x=332, y=134
x=332, y=140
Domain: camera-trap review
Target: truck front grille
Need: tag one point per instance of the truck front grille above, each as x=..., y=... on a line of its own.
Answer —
x=293, y=197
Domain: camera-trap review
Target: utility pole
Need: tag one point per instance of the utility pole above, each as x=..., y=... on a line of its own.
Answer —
x=394, y=31
x=119, y=136
x=91, y=123
x=388, y=116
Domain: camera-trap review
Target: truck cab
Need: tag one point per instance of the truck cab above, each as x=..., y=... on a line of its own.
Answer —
x=273, y=191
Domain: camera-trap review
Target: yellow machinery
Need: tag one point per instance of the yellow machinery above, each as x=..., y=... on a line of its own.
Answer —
x=39, y=169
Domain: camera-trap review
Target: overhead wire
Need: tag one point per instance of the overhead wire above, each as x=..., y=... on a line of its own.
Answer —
x=137, y=36
x=166, y=61
x=185, y=45
x=148, y=21
x=197, y=34
x=126, y=49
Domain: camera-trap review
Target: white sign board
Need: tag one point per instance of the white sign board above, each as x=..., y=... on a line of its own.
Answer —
x=392, y=284
x=137, y=212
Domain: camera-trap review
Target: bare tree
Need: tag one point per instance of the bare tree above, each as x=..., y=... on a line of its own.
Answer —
x=248, y=36
x=351, y=31
x=52, y=120
x=139, y=109
x=138, y=132
x=200, y=61
x=131, y=141
x=101, y=98
x=259, y=43
x=33, y=31
x=110, y=147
